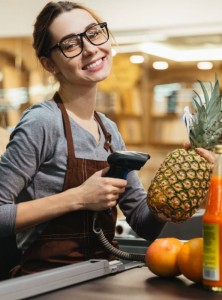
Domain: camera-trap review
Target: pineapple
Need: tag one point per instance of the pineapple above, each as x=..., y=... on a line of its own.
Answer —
x=182, y=181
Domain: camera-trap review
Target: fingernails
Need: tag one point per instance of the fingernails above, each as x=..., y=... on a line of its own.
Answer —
x=199, y=150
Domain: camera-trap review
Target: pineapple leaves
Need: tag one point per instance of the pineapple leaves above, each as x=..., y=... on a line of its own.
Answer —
x=213, y=108
x=196, y=102
x=214, y=121
x=206, y=96
x=206, y=125
x=200, y=108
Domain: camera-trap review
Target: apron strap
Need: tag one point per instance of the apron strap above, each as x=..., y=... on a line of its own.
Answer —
x=68, y=132
x=70, y=145
x=108, y=136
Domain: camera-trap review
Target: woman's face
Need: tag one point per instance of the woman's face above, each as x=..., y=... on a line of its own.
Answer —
x=92, y=65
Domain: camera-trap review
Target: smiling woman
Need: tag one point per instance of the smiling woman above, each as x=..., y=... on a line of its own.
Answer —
x=57, y=155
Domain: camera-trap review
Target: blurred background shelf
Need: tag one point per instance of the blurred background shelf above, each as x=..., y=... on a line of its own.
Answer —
x=145, y=100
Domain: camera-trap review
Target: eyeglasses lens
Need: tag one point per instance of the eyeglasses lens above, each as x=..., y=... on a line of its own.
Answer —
x=96, y=35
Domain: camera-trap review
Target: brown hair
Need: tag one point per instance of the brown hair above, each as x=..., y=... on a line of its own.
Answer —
x=41, y=34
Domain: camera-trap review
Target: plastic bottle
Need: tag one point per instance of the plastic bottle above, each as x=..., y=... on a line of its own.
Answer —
x=212, y=228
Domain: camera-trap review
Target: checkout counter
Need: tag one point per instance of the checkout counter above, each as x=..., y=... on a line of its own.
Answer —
x=103, y=280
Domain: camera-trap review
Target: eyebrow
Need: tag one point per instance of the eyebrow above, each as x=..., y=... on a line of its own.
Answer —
x=73, y=34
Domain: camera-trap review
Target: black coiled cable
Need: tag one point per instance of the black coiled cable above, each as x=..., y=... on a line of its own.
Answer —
x=110, y=248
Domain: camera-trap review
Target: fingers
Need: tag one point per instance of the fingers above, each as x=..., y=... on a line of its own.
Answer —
x=117, y=192
x=102, y=192
x=208, y=155
x=115, y=182
x=111, y=180
x=109, y=203
x=186, y=145
x=112, y=204
x=114, y=194
x=112, y=197
x=104, y=171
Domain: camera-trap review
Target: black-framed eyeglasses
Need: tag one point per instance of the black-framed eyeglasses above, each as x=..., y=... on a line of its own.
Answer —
x=72, y=45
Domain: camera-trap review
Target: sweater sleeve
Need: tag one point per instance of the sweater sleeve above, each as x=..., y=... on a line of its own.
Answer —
x=133, y=202
x=138, y=216
x=24, y=154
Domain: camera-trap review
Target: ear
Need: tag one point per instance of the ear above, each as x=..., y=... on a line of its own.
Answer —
x=48, y=64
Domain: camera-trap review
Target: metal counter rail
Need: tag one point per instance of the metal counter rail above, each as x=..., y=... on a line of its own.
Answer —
x=46, y=281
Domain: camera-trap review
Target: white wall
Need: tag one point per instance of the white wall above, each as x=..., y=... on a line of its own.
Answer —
x=178, y=17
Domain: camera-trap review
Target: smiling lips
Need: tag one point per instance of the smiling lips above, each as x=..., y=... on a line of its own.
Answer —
x=93, y=65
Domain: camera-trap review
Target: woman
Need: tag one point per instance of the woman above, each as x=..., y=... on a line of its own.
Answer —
x=52, y=173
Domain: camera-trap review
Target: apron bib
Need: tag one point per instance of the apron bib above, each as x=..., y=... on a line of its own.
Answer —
x=70, y=239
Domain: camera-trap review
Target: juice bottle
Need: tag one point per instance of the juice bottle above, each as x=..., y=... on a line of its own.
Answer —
x=212, y=228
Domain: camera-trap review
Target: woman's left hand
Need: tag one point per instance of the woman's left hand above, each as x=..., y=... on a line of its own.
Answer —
x=208, y=155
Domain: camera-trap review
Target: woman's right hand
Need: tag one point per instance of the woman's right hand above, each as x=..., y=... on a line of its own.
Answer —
x=96, y=193
x=99, y=192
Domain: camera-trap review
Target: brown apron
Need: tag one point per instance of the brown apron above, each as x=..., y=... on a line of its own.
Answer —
x=70, y=239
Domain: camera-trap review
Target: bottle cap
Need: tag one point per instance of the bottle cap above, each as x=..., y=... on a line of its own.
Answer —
x=218, y=149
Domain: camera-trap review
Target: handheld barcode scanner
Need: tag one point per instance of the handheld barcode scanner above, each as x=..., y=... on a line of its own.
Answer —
x=121, y=163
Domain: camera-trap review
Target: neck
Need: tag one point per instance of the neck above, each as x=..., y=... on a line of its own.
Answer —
x=79, y=102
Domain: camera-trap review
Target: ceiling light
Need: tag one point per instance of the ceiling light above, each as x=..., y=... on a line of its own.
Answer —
x=205, y=65
x=160, y=65
x=137, y=59
x=167, y=52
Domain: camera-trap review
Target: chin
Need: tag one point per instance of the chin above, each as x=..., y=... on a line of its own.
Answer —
x=103, y=76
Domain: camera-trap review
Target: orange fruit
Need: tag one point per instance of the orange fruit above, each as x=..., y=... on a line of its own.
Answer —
x=161, y=257
x=190, y=259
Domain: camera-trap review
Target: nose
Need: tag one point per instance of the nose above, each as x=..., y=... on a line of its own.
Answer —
x=88, y=48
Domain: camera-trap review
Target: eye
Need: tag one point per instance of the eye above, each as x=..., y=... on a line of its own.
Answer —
x=94, y=33
x=70, y=44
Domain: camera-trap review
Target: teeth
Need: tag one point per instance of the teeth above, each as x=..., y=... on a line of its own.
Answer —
x=98, y=62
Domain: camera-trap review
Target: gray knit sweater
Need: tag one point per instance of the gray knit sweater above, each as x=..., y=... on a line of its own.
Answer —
x=34, y=166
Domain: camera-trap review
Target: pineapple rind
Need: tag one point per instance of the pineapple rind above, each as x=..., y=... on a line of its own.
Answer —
x=175, y=194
